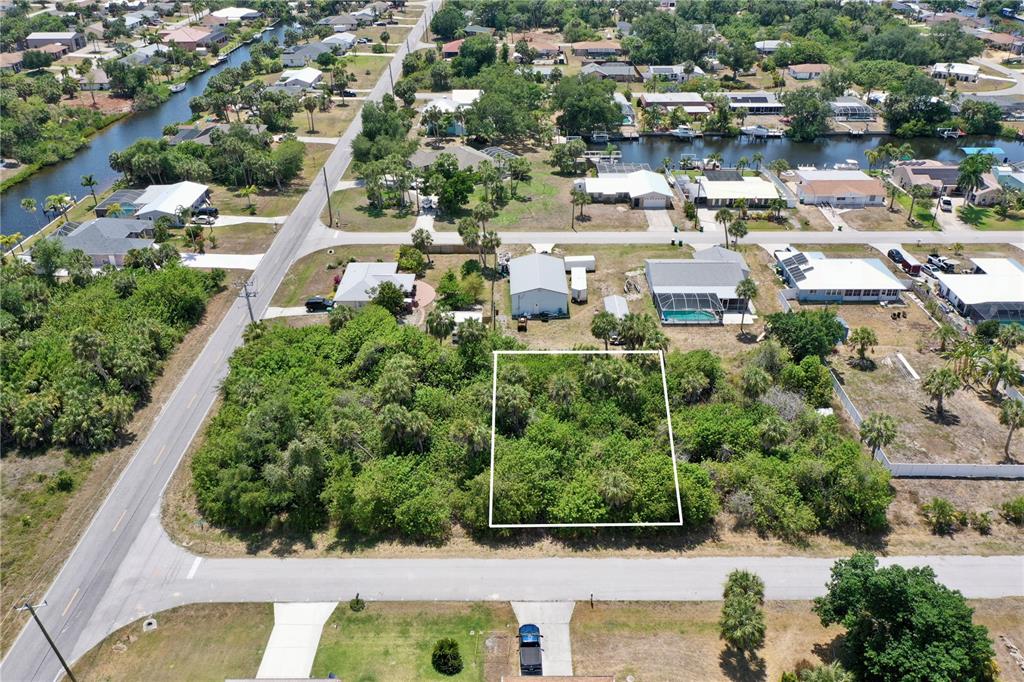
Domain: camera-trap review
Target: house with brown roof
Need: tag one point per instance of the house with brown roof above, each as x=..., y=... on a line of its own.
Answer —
x=1001, y=41
x=942, y=178
x=10, y=62
x=190, y=38
x=597, y=49
x=839, y=188
x=806, y=72
x=449, y=50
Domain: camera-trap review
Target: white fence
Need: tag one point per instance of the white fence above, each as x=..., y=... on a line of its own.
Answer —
x=916, y=470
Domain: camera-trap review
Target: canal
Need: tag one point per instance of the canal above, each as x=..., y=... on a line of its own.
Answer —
x=822, y=153
x=66, y=177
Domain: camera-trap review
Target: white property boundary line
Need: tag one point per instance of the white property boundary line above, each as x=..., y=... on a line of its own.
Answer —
x=668, y=418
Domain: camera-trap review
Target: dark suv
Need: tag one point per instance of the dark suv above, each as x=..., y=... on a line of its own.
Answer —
x=318, y=304
x=207, y=210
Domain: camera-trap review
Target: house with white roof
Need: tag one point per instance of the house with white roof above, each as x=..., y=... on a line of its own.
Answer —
x=168, y=200
x=359, y=283
x=994, y=291
x=766, y=47
x=806, y=72
x=343, y=40
x=237, y=14
x=813, y=278
x=641, y=189
x=967, y=73
x=721, y=188
x=698, y=290
x=678, y=73
x=457, y=100
x=306, y=77
x=73, y=40
x=691, y=102
x=537, y=286
x=839, y=188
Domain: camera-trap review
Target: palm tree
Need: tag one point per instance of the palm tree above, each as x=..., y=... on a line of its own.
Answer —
x=940, y=384
x=715, y=157
x=892, y=191
x=422, y=239
x=469, y=232
x=737, y=230
x=917, y=193
x=440, y=324
x=742, y=163
x=604, y=326
x=248, y=191
x=90, y=182
x=758, y=159
x=877, y=431
x=998, y=367
x=863, y=338
x=777, y=206
x=28, y=204
x=1011, y=415
x=945, y=333
x=576, y=199
x=309, y=104
x=754, y=383
x=971, y=171
x=114, y=209
x=58, y=203
x=616, y=488
x=490, y=241
x=746, y=290
x=1011, y=335
x=741, y=206
x=872, y=155
x=723, y=217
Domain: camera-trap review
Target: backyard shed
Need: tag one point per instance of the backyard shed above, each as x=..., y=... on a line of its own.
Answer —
x=537, y=286
x=588, y=263
x=578, y=284
x=617, y=306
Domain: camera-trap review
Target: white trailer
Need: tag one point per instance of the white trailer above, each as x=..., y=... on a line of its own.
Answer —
x=578, y=284
x=588, y=263
x=617, y=306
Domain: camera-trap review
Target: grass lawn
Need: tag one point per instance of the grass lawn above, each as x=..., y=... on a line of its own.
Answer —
x=767, y=225
x=632, y=638
x=366, y=68
x=396, y=35
x=242, y=238
x=327, y=123
x=924, y=214
x=354, y=214
x=393, y=641
x=271, y=202
x=872, y=218
x=985, y=218
x=195, y=642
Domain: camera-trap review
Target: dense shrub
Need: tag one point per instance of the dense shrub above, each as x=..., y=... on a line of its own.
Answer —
x=446, y=658
x=1013, y=511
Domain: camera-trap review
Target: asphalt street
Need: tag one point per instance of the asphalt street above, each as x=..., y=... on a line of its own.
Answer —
x=86, y=575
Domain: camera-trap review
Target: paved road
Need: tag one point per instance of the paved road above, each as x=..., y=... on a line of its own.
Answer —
x=111, y=537
x=1016, y=89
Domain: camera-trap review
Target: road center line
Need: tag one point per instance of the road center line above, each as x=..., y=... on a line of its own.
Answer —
x=119, y=520
x=193, y=401
x=160, y=454
x=195, y=567
x=70, y=602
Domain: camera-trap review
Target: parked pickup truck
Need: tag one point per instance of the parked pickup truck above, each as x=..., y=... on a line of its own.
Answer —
x=529, y=651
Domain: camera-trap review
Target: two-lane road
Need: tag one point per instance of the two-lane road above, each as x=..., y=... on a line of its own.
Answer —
x=86, y=575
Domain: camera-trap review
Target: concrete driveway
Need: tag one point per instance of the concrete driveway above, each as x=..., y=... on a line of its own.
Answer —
x=950, y=222
x=658, y=220
x=552, y=617
x=294, y=640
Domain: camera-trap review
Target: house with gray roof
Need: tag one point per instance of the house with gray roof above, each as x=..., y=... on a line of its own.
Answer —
x=359, y=283
x=340, y=22
x=467, y=157
x=620, y=72
x=302, y=55
x=145, y=55
x=537, y=286
x=699, y=290
x=107, y=240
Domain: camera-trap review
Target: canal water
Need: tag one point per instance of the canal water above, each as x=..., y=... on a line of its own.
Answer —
x=66, y=177
x=822, y=153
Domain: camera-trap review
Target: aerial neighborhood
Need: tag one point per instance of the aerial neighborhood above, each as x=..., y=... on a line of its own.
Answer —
x=483, y=340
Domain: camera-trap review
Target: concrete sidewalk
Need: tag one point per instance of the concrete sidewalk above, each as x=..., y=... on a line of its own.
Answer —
x=227, y=261
x=552, y=617
x=294, y=640
x=225, y=220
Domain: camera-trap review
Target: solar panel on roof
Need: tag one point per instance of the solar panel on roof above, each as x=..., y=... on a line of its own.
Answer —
x=723, y=176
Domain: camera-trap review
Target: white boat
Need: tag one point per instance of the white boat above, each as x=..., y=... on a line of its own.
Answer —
x=686, y=132
x=709, y=164
x=755, y=131
x=849, y=164
x=177, y=87
x=599, y=137
x=950, y=133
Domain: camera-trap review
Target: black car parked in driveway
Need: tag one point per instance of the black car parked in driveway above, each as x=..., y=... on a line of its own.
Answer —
x=318, y=304
x=206, y=210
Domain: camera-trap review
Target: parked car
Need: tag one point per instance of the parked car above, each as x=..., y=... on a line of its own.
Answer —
x=207, y=210
x=928, y=270
x=348, y=93
x=895, y=255
x=204, y=220
x=318, y=304
x=380, y=23
x=530, y=662
x=946, y=204
x=363, y=41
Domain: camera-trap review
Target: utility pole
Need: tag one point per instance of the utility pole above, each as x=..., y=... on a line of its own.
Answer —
x=32, y=609
x=248, y=294
x=391, y=74
x=330, y=209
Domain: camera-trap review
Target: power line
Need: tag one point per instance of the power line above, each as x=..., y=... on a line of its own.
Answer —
x=32, y=609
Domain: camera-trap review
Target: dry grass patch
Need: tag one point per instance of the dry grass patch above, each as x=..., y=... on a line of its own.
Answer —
x=809, y=218
x=194, y=642
x=331, y=123
x=269, y=201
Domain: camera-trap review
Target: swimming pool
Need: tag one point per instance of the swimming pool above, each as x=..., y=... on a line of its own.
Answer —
x=689, y=316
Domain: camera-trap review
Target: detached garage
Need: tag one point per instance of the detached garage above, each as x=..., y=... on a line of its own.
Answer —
x=537, y=286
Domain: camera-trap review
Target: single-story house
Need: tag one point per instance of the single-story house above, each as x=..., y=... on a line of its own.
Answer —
x=340, y=22
x=628, y=115
x=96, y=79
x=721, y=188
x=467, y=157
x=107, y=240
x=147, y=16
x=691, y=102
x=73, y=40
x=357, y=285
x=546, y=50
x=943, y=179
x=806, y=72
x=994, y=291
x=457, y=100
x=673, y=73
x=202, y=133
x=306, y=77
x=620, y=72
x=212, y=21
x=537, y=286
x=299, y=56
x=56, y=49
x=641, y=189
x=166, y=200
x=817, y=279
x=237, y=14
x=451, y=49
x=475, y=30
x=1000, y=41
x=132, y=22
x=165, y=9
x=597, y=48
x=847, y=108
x=189, y=38
x=967, y=73
x=343, y=40
x=145, y=55
x=759, y=103
x=11, y=61
x=766, y=47
x=698, y=290
x=839, y=188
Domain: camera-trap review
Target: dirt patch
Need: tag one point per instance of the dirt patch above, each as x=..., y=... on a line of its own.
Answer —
x=105, y=102
x=876, y=218
x=810, y=219
x=34, y=550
